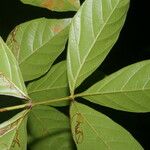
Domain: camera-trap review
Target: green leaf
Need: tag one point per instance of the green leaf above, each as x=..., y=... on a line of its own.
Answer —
x=13, y=134
x=94, y=30
x=128, y=89
x=61, y=141
x=11, y=82
x=55, y=5
x=37, y=43
x=93, y=130
x=51, y=86
x=47, y=126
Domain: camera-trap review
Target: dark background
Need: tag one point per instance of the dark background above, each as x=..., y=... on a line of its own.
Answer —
x=132, y=46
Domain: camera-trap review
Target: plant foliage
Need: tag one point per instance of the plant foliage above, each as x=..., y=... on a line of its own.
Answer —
x=30, y=54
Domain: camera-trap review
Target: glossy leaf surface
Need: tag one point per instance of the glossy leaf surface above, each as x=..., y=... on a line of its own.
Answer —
x=92, y=131
x=37, y=43
x=94, y=30
x=128, y=89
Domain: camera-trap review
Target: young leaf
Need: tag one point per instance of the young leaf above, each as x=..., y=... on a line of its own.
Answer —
x=93, y=130
x=128, y=89
x=11, y=82
x=37, y=43
x=51, y=86
x=13, y=135
x=55, y=5
x=47, y=126
x=94, y=30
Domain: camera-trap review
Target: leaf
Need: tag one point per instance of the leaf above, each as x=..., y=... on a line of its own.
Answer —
x=11, y=82
x=93, y=130
x=128, y=89
x=55, y=5
x=37, y=43
x=94, y=30
x=13, y=135
x=51, y=86
x=45, y=120
x=58, y=142
x=48, y=126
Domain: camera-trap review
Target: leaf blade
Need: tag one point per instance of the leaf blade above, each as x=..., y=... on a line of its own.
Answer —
x=96, y=129
x=40, y=39
x=100, y=36
x=13, y=134
x=127, y=89
x=51, y=86
x=11, y=82
x=53, y=125
x=55, y=5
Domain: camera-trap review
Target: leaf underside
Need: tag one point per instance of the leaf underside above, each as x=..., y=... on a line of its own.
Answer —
x=94, y=30
x=34, y=46
x=51, y=86
x=127, y=89
x=11, y=82
x=93, y=130
x=55, y=5
x=49, y=129
x=13, y=134
x=37, y=43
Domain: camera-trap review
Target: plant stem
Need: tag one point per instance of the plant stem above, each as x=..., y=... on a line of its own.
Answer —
x=30, y=105
x=79, y=95
x=27, y=105
x=51, y=101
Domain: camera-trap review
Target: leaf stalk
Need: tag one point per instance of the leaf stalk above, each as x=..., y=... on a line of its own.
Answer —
x=30, y=104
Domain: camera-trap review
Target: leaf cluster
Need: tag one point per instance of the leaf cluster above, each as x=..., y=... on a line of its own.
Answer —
x=30, y=71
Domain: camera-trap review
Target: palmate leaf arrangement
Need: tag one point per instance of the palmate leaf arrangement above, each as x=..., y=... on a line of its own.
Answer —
x=29, y=54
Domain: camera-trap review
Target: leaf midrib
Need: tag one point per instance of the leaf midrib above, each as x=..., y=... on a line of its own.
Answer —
x=21, y=119
x=35, y=51
x=93, y=129
x=84, y=60
x=107, y=93
x=16, y=87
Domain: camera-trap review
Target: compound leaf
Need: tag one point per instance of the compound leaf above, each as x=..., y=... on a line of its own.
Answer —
x=37, y=43
x=94, y=30
x=11, y=82
x=93, y=130
x=127, y=89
